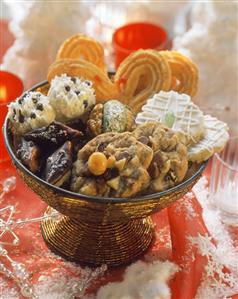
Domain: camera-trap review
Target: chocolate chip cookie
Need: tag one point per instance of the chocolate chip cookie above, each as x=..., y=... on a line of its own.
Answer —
x=169, y=164
x=113, y=165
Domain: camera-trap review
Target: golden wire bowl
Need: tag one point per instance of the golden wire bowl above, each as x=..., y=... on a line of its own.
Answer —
x=98, y=230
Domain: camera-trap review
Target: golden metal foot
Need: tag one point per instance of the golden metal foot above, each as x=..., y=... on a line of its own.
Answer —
x=95, y=244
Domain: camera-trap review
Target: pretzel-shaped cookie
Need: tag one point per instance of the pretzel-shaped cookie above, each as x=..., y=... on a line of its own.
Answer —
x=184, y=72
x=80, y=46
x=140, y=75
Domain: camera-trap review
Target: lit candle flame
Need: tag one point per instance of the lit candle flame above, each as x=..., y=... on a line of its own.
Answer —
x=3, y=93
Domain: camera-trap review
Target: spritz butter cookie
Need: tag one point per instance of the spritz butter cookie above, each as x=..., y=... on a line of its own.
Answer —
x=103, y=86
x=140, y=75
x=184, y=72
x=83, y=47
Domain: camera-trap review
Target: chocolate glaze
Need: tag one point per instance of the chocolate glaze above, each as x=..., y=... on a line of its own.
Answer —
x=59, y=164
x=29, y=153
x=53, y=135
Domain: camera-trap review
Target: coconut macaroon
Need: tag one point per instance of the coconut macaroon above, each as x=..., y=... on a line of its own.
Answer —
x=70, y=97
x=31, y=112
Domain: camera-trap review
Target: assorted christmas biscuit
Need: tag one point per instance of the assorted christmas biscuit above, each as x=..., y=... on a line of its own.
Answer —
x=177, y=111
x=169, y=164
x=141, y=74
x=215, y=139
x=82, y=46
x=112, y=116
x=130, y=134
x=112, y=165
x=30, y=112
x=102, y=84
x=184, y=72
x=70, y=97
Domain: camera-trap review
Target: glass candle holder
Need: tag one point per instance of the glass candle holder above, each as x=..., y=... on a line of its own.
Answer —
x=135, y=36
x=224, y=182
x=11, y=87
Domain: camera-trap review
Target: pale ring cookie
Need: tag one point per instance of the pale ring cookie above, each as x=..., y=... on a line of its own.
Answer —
x=80, y=46
x=177, y=112
x=140, y=75
x=103, y=86
x=184, y=72
x=215, y=139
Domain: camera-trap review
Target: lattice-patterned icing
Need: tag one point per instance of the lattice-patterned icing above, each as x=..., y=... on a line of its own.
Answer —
x=176, y=111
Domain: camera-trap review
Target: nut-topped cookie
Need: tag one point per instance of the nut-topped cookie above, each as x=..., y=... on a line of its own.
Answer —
x=112, y=116
x=169, y=164
x=112, y=164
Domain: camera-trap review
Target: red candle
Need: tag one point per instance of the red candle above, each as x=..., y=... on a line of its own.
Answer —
x=11, y=87
x=135, y=36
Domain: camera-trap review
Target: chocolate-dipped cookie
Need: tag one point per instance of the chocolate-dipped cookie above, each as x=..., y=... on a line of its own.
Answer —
x=53, y=135
x=59, y=164
x=29, y=153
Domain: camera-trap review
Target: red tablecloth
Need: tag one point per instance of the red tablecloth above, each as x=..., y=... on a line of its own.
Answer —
x=175, y=224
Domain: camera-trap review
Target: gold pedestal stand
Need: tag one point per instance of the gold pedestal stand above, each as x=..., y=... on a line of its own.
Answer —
x=95, y=244
x=94, y=230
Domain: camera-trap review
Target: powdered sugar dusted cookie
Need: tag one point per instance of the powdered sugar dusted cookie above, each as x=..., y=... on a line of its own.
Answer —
x=31, y=112
x=70, y=97
x=177, y=111
x=215, y=138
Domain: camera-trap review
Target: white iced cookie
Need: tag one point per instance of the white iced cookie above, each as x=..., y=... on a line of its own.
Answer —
x=215, y=139
x=70, y=97
x=31, y=112
x=177, y=111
